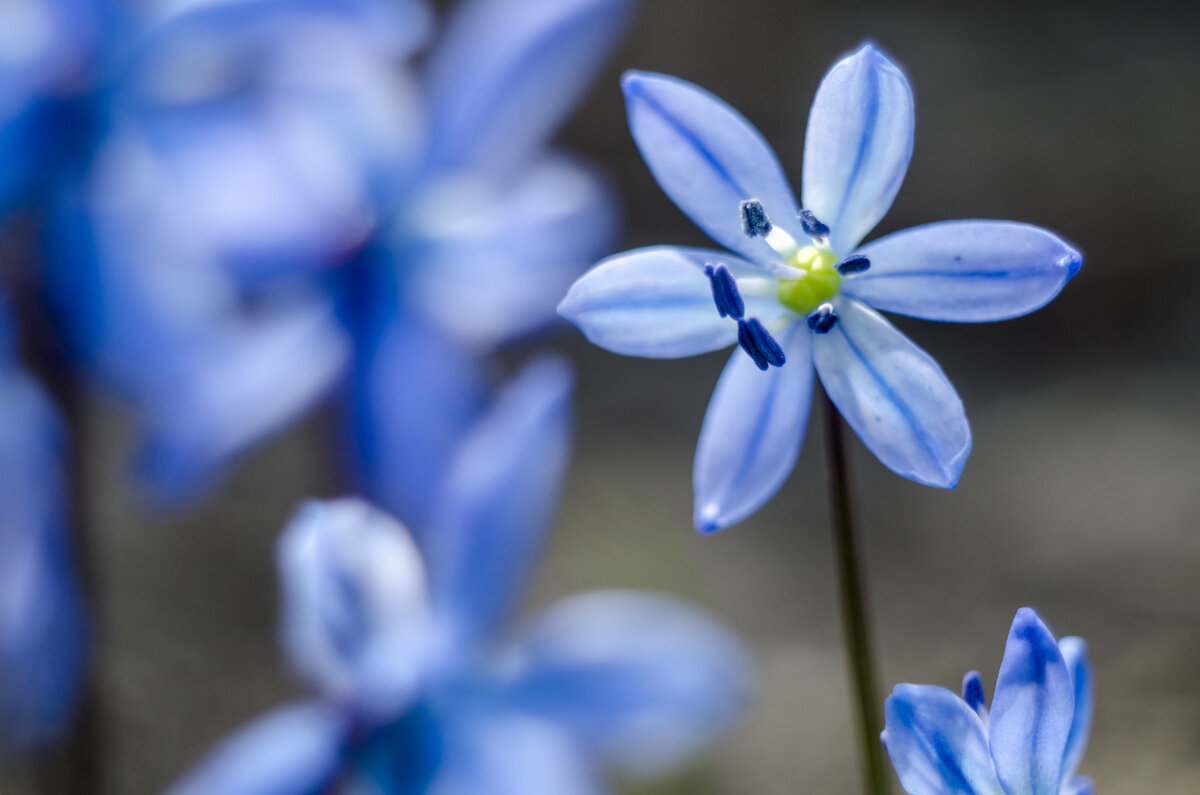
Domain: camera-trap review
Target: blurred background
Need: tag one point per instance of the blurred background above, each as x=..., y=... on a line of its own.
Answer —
x=1081, y=497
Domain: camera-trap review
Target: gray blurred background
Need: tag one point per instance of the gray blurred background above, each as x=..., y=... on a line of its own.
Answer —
x=1081, y=497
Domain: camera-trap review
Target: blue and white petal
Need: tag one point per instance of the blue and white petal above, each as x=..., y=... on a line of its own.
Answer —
x=354, y=598
x=858, y=144
x=965, y=271
x=1079, y=785
x=708, y=159
x=499, y=496
x=658, y=303
x=1074, y=651
x=1032, y=711
x=752, y=432
x=292, y=750
x=644, y=680
x=894, y=395
x=506, y=72
x=937, y=743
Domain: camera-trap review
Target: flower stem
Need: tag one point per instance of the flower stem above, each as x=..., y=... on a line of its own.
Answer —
x=853, y=599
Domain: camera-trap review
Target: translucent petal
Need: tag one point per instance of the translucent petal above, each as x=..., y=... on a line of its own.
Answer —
x=967, y=271
x=354, y=591
x=858, y=144
x=292, y=750
x=894, y=396
x=1079, y=785
x=752, y=432
x=709, y=160
x=1074, y=651
x=1032, y=711
x=506, y=72
x=937, y=743
x=657, y=302
x=501, y=491
x=643, y=679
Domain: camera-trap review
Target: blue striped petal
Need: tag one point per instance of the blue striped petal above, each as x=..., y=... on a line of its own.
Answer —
x=752, y=432
x=966, y=271
x=1074, y=651
x=937, y=743
x=1032, y=711
x=857, y=147
x=894, y=395
x=708, y=159
x=644, y=680
x=657, y=302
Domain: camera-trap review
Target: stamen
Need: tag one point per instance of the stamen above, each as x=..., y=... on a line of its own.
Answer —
x=823, y=319
x=725, y=292
x=855, y=264
x=754, y=219
x=812, y=227
x=972, y=691
x=759, y=344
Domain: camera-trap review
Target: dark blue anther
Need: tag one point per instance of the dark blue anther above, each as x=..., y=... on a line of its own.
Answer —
x=758, y=342
x=856, y=264
x=812, y=227
x=725, y=292
x=972, y=690
x=754, y=219
x=822, y=319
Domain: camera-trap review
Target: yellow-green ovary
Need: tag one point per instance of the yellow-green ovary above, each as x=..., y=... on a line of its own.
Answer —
x=819, y=283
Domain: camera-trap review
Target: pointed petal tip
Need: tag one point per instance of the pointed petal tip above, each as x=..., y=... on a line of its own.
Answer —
x=1073, y=262
x=708, y=519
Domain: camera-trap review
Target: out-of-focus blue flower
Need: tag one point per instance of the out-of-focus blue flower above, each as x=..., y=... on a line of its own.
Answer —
x=490, y=232
x=1031, y=740
x=419, y=694
x=42, y=625
x=797, y=290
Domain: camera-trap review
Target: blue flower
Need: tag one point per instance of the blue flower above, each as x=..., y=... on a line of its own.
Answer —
x=1030, y=742
x=397, y=633
x=798, y=288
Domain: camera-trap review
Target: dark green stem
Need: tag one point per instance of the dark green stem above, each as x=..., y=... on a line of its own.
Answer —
x=853, y=599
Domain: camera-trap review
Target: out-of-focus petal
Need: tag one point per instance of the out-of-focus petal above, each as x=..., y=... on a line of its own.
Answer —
x=657, y=302
x=414, y=394
x=937, y=743
x=858, y=144
x=708, y=159
x=1074, y=651
x=752, y=432
x=1032, y=711
x=356, y=619
x=292, y=750
x=894, y=396
x=493, y=260
x=645, y=680
x=1079, y=785
x=967, y=271
x=507, y=71
x=42, y=624
x=498, y=498
x=511, y=754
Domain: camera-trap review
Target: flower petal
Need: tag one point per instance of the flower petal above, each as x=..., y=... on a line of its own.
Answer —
x=498, y=498
x=752, y=432
x=1074, y=651
x=643, y=679
x=510, y=754
x=1032, y=710
x=937, y=743
x=708, y=159
x=894, y=396
x=657, y=302
x=1079, y=785
x=858, y=144
x=507, y=71
x=354, y=592
x=965, y=271
x=292, y=750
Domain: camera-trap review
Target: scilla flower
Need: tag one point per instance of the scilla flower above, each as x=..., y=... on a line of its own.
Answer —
x=1029, y=743
x=419, y=694
x=797, y=288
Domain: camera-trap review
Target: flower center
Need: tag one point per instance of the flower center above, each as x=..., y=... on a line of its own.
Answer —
x=816, y=282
